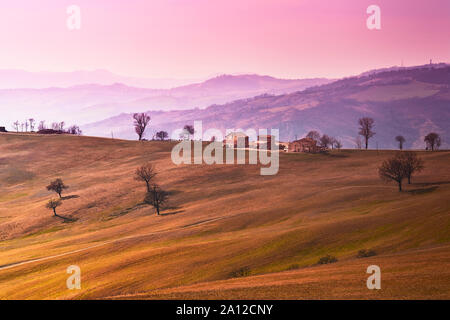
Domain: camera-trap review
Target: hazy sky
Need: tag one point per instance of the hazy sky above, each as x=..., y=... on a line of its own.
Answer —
x=199, y=38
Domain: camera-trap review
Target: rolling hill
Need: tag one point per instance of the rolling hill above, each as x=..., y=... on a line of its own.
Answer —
x=220, y=220
x=403, y=101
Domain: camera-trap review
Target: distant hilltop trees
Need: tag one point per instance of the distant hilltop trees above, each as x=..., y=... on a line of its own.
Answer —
x=55, y=128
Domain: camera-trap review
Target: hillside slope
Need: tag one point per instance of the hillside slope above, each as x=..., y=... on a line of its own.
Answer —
x=220, y=219
x=410, y=102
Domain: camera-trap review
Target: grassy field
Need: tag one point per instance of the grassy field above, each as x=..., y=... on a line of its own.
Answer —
x=220, y=219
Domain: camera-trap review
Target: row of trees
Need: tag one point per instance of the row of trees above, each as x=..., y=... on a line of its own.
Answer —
x=402, y=166
x=324, y=140
x=366, y=126
x=58, y=127
x=141, y=122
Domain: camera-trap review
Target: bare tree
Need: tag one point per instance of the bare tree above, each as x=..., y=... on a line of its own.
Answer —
x=189, y=129
x=21, y=126
x=393, y=169
x=26, y=125
x=53, y=204
x=162, y=135
x=366, y=129
x=145, y=173
x=313, y=134
x=411, y=163
x=337, y=144
x=58, y=186
x=55, y=126
x=141, y=121
x=74, y=130
x=401, y=140
x=156, y=197
x=325, y=141
x=433, y=141
x=358, y=142
x=42, y=125
x=32, y=124
x=16, y=126
x=61, y=125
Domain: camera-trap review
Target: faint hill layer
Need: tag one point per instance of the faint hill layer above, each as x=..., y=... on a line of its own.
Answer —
x=92, y=102
x=409, y=102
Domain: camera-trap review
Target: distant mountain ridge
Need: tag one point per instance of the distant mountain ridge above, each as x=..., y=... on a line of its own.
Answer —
x=409, y=102
x=85, y=103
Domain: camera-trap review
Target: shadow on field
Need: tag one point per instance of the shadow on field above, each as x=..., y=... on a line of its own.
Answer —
x=422, y=190
x=66, y=219
x=70, y=197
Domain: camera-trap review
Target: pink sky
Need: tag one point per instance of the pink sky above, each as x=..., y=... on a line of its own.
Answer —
x=199, y=38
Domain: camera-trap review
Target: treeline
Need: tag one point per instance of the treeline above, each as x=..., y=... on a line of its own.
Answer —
x=55, y=127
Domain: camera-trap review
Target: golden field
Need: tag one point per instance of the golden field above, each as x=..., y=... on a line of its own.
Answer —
x=219, y=220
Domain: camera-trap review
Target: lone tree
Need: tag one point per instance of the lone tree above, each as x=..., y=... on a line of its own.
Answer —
x=156, y=197
x=58, y=186
x=337, y=144
x=411, y=163
x=162, y=135
x=393, y=169
x=325, y=141
x=141, y=121
x=433, y=141
x=313, y=134
x=189, y=129
x=401, y=140
x=53, y=204
x=365, y=129
x=145, y=173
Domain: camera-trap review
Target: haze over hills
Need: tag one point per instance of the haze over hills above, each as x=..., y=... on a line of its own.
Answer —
x=408, y=101
x=92, y=102
x=13, y=78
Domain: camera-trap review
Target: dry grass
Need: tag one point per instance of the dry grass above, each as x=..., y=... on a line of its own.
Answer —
x=221, y=219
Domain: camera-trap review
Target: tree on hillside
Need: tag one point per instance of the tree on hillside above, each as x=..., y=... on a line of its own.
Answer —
x=53, y=204
x=401, y=140
x=32, y=124
x=411, y=163
x=337, y=144
x=393, y=169
x=145, y=173
x=74, y=130
x=433, y=141
x=42, y=125
x=313, y=134
x=156, y=197
x=57, y=186
x=16, y=126
x=141, y=121
x=325, y=141
x=358, y=142
x=366, y=129
x=26, y=125
x=189, y=129
x=162, y=135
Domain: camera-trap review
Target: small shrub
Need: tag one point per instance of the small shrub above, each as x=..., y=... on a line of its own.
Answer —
x=366, y=253
x=327, y=259
x=241, y=272
x=294, y=266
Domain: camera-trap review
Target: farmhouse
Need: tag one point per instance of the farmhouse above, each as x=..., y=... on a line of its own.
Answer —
x=304, y=145
x=237, y=140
